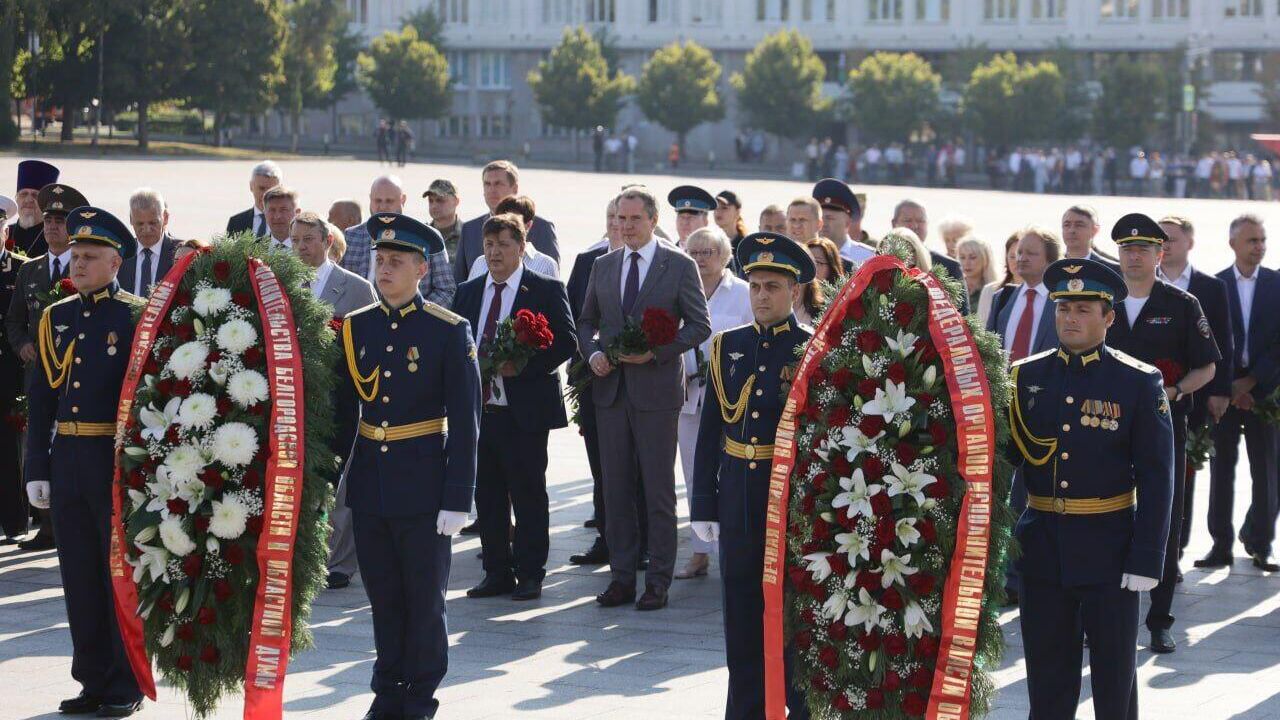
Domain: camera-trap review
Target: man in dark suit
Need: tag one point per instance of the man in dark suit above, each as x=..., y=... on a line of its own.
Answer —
x=521, y=406
x=911, y=215
x=27, y=231
x=1253, y=292
x=642, y=410
x=265, y=176
x=501, y=179
x=1080, y=226
x=149, y=217
x=1212, y=400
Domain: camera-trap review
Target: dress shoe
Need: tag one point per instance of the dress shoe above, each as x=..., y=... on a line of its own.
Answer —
x=375, y=715
x=1215, y=559
x=492, y=586
x=1162, y=641
x=597, y=555
x=616, y=594
x=654, y=598
x=82, y=704
x=472, y=529
x=1261, y=561
x=337, y=580
x=119, y=709
x=696, y=567
x=8, y=541
x=643, y=562
x=591, y=523
x=40, y=541
x=527, y=590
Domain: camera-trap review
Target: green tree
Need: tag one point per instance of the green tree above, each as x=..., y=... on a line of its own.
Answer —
x=67, y=65
x=309, y=59
x=780, y=86
x=1132, y=103
x=148, y=57
x=8, y=63
x=678, y=89
x=894, y=95
x=347, y=47
x=1077, y=110
x=428, y=25
x=407, y=78
x=573, y=86
x=1007, y=103
x=236, y=47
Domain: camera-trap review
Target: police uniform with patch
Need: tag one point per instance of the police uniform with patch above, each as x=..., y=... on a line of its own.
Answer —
x=83, y=343
x=751, y=369
x=1092, y=434
x=1170, y=327
x=416, y=388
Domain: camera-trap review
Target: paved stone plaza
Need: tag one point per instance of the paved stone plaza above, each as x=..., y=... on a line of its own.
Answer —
x=563, y=656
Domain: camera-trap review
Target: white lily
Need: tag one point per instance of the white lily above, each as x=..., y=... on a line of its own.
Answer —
x=167, y=639
x=162, y=491
x=907, y=533
x=894, y=568
x=915, y=621
x=819, y=565
x=857, y=443
x=137, y=498
x=855, y=546
x=155, y=423
x=909, y=482
x=835, y=605
x=823, y=450
x=903, y=344
x=865, y=612
x=867, y=366
x=192, y=491
x=889, y=401
x=150, y=560
x=930, y=374
x=857, y=495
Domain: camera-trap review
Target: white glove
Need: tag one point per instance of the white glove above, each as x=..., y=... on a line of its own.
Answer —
x=1138, y=583
x=38, y=494
x=449, y=522
x=706, y=530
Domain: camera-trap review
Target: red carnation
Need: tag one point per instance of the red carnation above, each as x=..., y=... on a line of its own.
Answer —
x=252, y=356
x=926, y=646
x=920, y=677
x=868, y=341
x=839, y=563
x=202, y=523
x=841, y=466
x=914, y=704
x=209, y=654
x=1170, y=370
x=924, y=398
x=892, y=681
x=921, y=583
x=233, y=554
x=811, y=413
x=186, y=632
x=871, y=425
x=191, y=565
x=335, y=324
x=165, y=387
x=895, y=644
x=938, y=490
x=937, y=433
x=166, y=602
x=891, y=599
x=897, y=373
x=222, y=270
x=906, y=453
x=869, y=581
x=211, y=478
x=927, y=531
x=883, y=280
x=818, y=682
x=796, y=575
x=928, y=353
x=221, y=590
x=251, y=479
x=803, y=639
x=532, y=329
x=881, y=505
x=820, y=480
x=821, y=529
x=206, y=616
x=841, y=378
x=857, y=310
x=903, y=313
x=808, y=617
x=214, y=356
x=177, y=506
x=867, y=388
x=886, y=532
x=841, y=703
x=870, y=642
x=257, y=409
x=253, y=526
x=875, y=699
x=182, y=388
x=150, y=367
x=243, y=299
x=838, y=630
x=184, y=663
x=846, y=522
x=829, y=657
x=659, y=327
x=839, y=416
x=137, y=479
x=807, y=505
x=872, y=467
x=819, y=375
x=185, y=332
x=171, y=435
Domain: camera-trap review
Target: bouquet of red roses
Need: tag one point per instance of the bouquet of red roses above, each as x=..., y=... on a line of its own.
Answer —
x=656, y=328
x=1170, y=370
x=515, y=340
x=62, y=289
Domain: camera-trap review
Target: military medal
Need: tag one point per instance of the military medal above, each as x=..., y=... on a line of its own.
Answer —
x=412, y=356
x=112, y=339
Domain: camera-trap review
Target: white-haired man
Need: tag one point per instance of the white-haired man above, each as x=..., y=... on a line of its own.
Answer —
x=149, y=217
x=266, y=175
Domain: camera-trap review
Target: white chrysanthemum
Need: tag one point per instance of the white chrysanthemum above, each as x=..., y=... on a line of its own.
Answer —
x=175, y=538
x=228, y=518
x=188, y=360
x=198, y=411
x=236, y=336
x=234, y=444
x=247, y=387
x=184, y=464
x=211, y=301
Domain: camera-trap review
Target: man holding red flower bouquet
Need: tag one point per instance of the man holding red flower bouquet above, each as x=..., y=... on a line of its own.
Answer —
x=524, y=332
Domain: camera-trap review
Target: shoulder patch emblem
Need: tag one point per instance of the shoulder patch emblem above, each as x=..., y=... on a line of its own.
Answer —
x=1164, y=404
x=1203, y=326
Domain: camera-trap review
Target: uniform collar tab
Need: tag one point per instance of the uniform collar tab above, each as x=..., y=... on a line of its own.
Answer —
x=1080, y=360
x=97, y=296
x=777, y=328
x=414, y=304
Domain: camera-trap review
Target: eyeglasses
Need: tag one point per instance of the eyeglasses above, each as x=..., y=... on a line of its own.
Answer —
x=703, y=253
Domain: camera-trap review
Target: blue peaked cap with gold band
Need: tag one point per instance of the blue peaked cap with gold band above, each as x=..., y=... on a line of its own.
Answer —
x=691, y=198
x=776, y=252
x=393, y=231
x=1082, y=279
x=1138, y=228
x=95, y=226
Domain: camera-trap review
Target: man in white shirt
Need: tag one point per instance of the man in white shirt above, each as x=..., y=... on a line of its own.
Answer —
x=534, y=259
x=280, y=205
x=150, y=220
x=265, y=175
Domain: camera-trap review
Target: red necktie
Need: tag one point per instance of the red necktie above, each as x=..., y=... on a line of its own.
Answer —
x=491, y=323
x=1022, y=336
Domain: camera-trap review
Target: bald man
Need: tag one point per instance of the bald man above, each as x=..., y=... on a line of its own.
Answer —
x=387, y=194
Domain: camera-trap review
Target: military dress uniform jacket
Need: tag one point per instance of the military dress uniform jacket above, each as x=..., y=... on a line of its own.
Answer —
x=413, y=373
x=83, y=345
x=10, y=363
x=25, y=308
x=1091, y=431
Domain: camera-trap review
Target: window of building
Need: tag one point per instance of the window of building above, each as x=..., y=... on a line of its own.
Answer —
x=555, y=12
x=495, y=126
x=662, y=11
x=1170, y=9
x=459, y=69
x=884, y=10
x=1235, y=66
x=706, y=12
x=452, y=11
x=600, y=11
x=1243, y=8
x=493, y=70
x=773, y=10
x=817, y=10
x=933, y=10
x=1119, y=9
x=554, y=131
x=1048, y=9
x=454, y=126
x=999, y=10
x=359, y=11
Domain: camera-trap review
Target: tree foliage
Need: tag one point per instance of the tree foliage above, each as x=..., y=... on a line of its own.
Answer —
x=780, y=86
x=308, y=58
x=67, y=64
x=428, y=25
x=678, y=88
x=147, y=57
x=573, y=86
x=406, y=77
x=1008, y=103
x=894, y=95
x=237, y=60
x=1132, y=103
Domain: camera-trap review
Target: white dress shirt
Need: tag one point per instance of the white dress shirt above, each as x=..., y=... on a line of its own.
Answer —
x=322, y=278
x=536, y=261
x=729, y=307
x=1245, y=288
x=260, y=221
x=510, y=287
x=1182, y=282
x=141, y=258
x=286, y=243
x=64, y=261
x=1015, y=314
x=856, y=252
x=646, y=254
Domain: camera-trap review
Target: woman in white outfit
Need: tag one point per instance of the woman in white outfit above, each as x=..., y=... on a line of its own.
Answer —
x=729, y=304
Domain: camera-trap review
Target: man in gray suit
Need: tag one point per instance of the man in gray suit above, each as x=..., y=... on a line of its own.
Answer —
x=638, y=401
x=345, y=292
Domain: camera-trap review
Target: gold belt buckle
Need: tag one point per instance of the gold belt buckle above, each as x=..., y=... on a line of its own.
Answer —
x=379, y=434
x=72, y=428
x=1059, y=505
x=749, y=451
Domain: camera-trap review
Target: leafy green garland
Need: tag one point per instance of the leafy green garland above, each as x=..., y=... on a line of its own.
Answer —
x=198, y=617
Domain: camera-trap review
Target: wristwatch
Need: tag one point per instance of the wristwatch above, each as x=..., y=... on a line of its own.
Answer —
x=1178, y=386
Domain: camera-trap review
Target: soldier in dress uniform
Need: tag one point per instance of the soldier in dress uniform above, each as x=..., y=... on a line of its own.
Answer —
x=693, y=207
x=751, y=368
x=1162, y=325
x=1092, y=434
x=13, y=503
x=84, y=343
x=416, y=387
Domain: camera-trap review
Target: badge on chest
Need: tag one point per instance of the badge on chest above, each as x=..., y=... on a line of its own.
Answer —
x=1102, y=414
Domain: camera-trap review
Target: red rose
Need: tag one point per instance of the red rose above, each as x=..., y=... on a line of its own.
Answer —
x=906, y=453
x=841, y=378
x=920, y=678
x=211, y=478
x=928, y=353
x=846, y=522
x=891, y=599
x=165, y=387
x=867, y=388
x=875, y=699
x=209, y=654
x=166, y=602
x=841, y=466
x=829, y=657
x=938, y=490
x=233, y=554
x=214, y=356
x=221, y=590
x=921, y=583
x=937, y=433
x=841, y=703
x=886, y=532
x=1170, y=370
x=914, y=704
x=66, y=286
x=224, y=405
x=137, y=479
x=257, y=409
x=191, y=565
x=206, y=616
x=821, y=529
x=857, y=310
x=184, y=663
x=222, y=270
x=838, y=630
x=895, y=644
x=659, y=327
x=177, y=506
x=251, y=479
x=820, y=480
x=883, y=280
x=202, y=523
x=903, y=313
x=182, y=388
x=150, y=367
x=897, y=373
x=892, y=681
x=868, y=341
x=819, y=375
x=252, y=356
x=185, y=332
x=818, y=682
x=926, y=646
x=186, y=632
x=839, y=563
x=253, y=526
x=870, y=642
x=171, y=435
x=927, y=531
x=872, y=467
x=869, y=581
x=881, y=505
x=803, y=639
x=807, y=505
x=796, y=575
x=839, y=416
x=871, y=425
x=243, y=299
